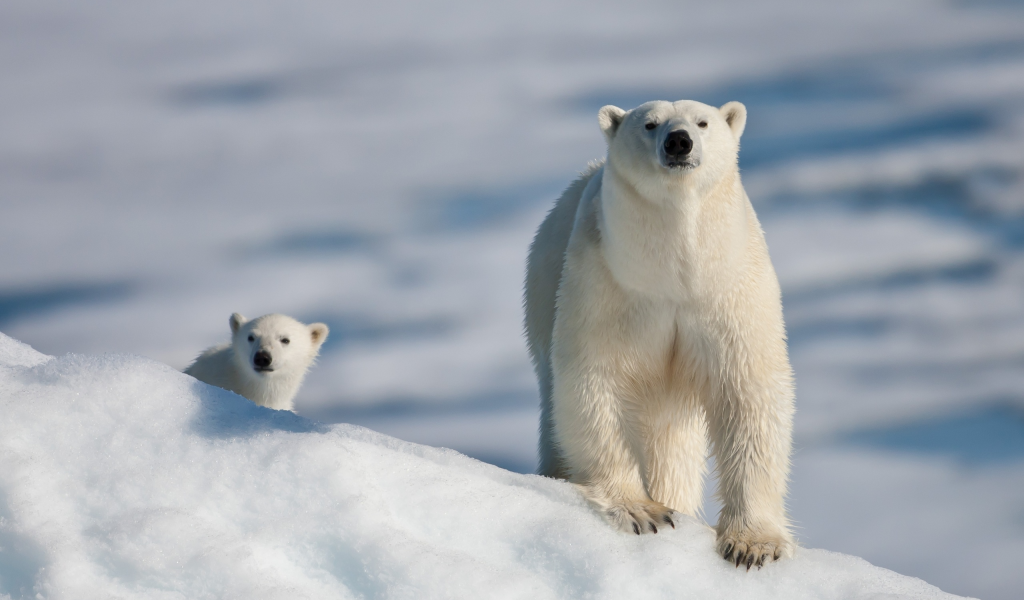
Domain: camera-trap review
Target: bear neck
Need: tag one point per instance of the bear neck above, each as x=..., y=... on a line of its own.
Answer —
x=277, y=392
x=671, y=239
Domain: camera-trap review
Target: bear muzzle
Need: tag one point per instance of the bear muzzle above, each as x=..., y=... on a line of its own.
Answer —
x=261, y=362
x=678, y=147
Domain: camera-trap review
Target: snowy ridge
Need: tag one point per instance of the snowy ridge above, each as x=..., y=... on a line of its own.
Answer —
x=123, y=478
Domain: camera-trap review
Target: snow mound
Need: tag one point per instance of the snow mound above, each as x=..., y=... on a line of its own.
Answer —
x=123, y=478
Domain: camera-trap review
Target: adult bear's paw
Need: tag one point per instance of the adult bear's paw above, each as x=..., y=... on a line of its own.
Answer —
x=630, y=516
x=753, y=549
x=645, y=516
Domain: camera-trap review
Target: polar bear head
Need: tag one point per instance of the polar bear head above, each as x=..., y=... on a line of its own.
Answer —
x=275, y=346
x=673, y=141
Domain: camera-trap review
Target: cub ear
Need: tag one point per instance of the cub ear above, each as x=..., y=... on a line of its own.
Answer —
x=318, y=333
x=236, y=321
x=735, y=114
x=609, y=118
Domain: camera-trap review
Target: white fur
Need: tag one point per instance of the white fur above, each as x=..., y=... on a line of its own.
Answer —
x=231, y=365
x=654, y=319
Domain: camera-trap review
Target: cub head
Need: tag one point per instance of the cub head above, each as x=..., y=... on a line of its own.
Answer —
x=275, y=345
x=673, y=140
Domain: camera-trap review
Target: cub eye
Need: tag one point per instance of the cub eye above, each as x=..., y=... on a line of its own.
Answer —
x=703, y=124
x=285, y=341
x=252, y=339
x=650, y=126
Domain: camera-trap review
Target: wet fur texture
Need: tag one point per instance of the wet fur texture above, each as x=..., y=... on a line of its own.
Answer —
x=230, y=366
x=654, y=320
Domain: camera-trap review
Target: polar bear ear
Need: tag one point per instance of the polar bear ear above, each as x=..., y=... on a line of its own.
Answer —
x=609, y=118
x=735, y=114
x=318, y=333
x=236, y=321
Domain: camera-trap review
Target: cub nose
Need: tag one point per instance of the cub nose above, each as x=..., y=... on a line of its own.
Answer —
x=678, y=143
x=262, y=359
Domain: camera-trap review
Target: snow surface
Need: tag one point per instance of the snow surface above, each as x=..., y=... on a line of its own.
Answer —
x=382, y=166
x=123, y=478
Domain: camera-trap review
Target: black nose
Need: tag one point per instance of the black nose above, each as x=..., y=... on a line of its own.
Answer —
x=678, y=143
x=262, y=359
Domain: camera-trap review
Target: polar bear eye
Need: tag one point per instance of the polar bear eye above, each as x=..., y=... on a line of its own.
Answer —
x=703, y=124
x=650, y=126
x=285, y=341
x=252, y=339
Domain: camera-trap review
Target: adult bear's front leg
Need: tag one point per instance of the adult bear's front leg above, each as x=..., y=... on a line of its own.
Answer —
x=597, y=425
x=750, y=422
x=598, y=444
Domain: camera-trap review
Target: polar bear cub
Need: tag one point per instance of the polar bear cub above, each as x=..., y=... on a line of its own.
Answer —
x=654, y=320
x=265, y=361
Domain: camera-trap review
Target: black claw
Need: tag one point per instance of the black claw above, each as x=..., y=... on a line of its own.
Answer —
x=760, y=561
x=668, y=519
x=728, y=552
x=750, y=561
x=636, y=529
x=778, y=555
x=739, y=558
x=654, y=528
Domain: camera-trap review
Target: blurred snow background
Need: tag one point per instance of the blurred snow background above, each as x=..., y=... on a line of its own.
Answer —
x=382, y=167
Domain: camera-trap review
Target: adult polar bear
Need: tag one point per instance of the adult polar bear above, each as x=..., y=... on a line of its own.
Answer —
x=654, y=320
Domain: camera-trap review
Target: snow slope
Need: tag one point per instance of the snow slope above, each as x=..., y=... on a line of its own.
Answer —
x=122, y=478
